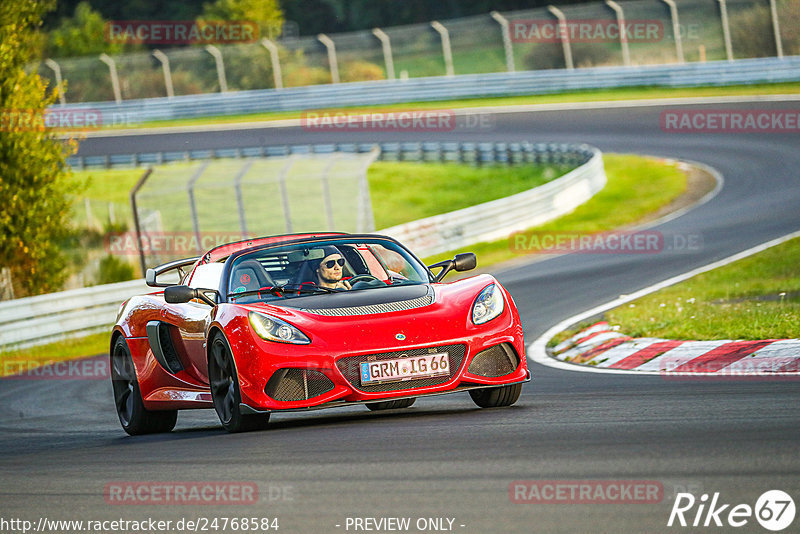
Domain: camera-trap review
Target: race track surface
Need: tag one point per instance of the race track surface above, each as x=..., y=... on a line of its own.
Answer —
x=445, y=458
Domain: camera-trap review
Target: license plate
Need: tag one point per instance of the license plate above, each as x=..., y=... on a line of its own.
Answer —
x=405, y=368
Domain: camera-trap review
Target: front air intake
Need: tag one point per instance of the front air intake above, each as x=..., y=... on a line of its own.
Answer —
x=292, y=384
x=495, y=361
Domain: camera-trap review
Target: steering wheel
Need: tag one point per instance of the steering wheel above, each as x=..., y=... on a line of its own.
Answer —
x=366, y=278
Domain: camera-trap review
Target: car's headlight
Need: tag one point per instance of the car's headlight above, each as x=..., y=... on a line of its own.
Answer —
x=274, y=329
x=488, y=305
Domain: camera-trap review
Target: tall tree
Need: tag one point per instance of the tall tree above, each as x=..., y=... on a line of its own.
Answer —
x=33, y=173
x=80, y=35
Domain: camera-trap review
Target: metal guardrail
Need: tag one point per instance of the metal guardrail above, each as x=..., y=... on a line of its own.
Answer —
x=454, y=151
x=47, y=318
x=42, y=319
x=743, y=71
x=498, y=218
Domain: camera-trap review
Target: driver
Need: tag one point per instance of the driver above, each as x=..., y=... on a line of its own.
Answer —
x=328, y=272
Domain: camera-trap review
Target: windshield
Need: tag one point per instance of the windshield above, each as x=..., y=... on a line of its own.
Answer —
x=301, y=269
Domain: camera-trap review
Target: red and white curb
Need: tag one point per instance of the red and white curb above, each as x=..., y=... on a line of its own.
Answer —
x=602, y=346
x=605, y=350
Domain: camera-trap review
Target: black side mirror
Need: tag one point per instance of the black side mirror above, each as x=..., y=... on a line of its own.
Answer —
x=184, y=294
x=465, y=261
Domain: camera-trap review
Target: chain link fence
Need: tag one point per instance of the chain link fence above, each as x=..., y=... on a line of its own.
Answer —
x=694, y=31
x=185, y=208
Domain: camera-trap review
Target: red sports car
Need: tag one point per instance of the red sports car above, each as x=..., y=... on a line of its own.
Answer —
x=302, y=322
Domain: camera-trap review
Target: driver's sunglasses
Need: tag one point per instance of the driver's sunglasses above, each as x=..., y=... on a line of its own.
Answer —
x=330, y=263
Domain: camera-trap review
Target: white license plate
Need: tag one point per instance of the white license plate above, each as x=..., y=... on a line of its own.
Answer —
x=405, y=368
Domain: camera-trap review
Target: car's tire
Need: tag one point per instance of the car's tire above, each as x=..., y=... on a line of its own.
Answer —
x=497, y=396
x=390, y=405
x=225, y=392
x=133, y=416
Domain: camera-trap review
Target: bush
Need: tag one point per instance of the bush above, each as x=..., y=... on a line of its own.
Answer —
x=307, y=76
x=112, y=269
x=361, y=71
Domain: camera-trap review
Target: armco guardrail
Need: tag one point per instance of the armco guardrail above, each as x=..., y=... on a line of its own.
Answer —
x=46, y=318
x=453, y=151
x=743, y=71
x=499, y=218
x=43, y=319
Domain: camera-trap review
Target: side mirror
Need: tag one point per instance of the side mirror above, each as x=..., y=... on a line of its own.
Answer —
x=184, y=294
x=465, y=261
x=462, y=262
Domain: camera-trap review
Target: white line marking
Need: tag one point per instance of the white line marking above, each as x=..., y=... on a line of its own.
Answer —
x=537, y=350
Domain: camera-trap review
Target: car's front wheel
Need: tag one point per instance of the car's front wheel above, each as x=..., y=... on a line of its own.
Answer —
x=133, y=416
x=390, y=405
x=497, y=396
x=225, y=390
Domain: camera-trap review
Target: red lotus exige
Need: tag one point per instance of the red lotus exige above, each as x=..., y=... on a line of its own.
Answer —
x=303, y=322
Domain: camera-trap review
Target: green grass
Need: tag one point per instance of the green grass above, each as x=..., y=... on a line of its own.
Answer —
x=403, y=192
x=628, y=93
x=17, y=361
x=754, y=298
x=637, y=186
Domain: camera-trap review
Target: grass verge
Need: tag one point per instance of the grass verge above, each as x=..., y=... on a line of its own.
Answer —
x=637, y=186
x=754, y=298
x=17, y=361
x=627, y=93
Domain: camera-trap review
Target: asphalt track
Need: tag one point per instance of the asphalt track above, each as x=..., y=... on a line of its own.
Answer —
x=443, y=457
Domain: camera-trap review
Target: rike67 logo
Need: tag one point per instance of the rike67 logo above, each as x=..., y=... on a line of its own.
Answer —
x=774, y=510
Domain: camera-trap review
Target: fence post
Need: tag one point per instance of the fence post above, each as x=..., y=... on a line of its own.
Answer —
x=386, y=45
x=136, y=225
x=506, y=39
x=192, y=203
x=726, y=29
x=287, y=213
x=217, y=55
x=623, y=39
x=564, y=34
x=112, y=70
x=676, y=29
x=776, y=28
x=446, y=51
x=164, y=60
x=277, y=75
x=237, y=184
x=56, y=68
x=331, y=47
